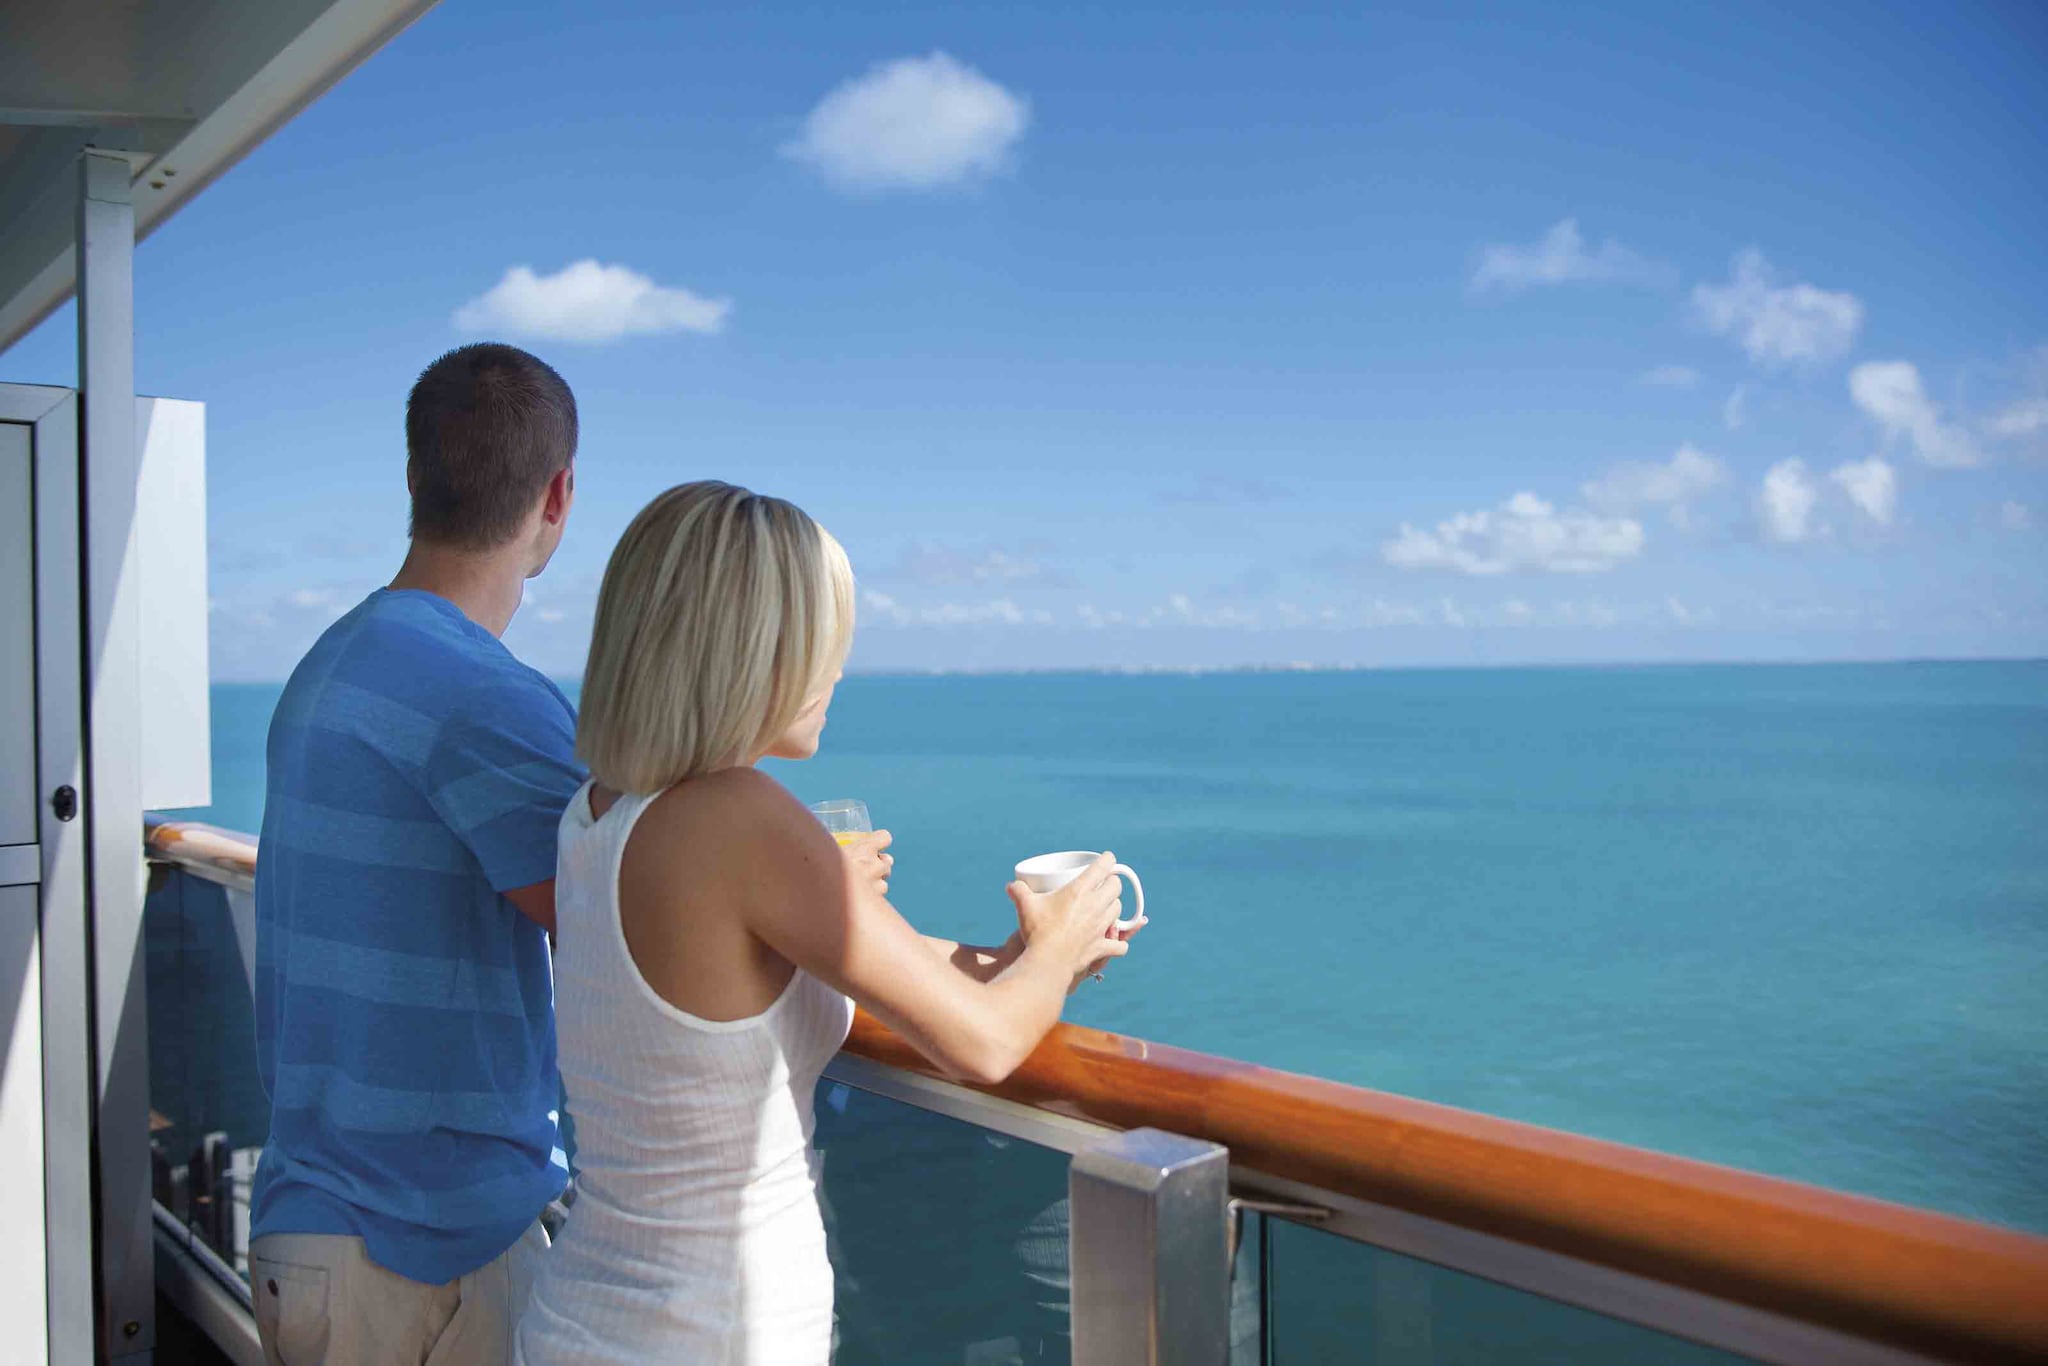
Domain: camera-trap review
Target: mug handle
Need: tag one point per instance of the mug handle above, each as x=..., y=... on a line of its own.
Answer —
x=1123, y=870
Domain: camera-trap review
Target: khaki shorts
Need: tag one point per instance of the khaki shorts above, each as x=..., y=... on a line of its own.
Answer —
x=320, y=1301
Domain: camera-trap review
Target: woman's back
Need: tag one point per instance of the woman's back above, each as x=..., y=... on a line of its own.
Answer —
x=696, y=1234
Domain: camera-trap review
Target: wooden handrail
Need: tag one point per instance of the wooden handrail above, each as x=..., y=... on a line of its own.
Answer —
x=196, y=845
x=1929, y=1283
x=1941, y=1286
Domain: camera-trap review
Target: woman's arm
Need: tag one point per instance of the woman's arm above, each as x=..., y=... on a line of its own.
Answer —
x=970, y=1012
x=980, y=963
x=868, y=860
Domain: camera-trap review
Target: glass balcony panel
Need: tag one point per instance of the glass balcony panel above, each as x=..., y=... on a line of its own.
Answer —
x=208, y=1114
x=1331, y=1301
x=949, y=1242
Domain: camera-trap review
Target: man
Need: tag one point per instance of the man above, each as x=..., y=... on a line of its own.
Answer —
x=404, y=898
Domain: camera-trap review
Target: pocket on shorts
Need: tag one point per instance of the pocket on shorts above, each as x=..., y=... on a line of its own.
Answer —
x=291, y=1309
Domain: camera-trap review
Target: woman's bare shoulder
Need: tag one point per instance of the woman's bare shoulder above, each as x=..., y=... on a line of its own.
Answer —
x=735, y=814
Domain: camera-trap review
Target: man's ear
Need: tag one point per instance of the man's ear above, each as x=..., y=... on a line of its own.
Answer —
x=561, y=493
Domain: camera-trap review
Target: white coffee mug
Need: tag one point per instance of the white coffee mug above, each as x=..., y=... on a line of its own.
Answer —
x=1050, y=872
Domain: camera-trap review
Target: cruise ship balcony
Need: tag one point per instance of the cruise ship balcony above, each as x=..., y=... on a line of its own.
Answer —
x=1116, y=1202
x=1119, y=1202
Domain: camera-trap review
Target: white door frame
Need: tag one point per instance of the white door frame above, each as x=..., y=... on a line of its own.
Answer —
x=52, y=417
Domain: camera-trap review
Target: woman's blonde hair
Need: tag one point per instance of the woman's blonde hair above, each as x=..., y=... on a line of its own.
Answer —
x=724, y=613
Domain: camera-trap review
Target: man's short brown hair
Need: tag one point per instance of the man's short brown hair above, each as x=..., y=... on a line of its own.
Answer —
x=486, y=427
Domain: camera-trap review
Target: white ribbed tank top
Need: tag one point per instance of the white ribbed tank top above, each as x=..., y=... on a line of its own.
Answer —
x=696, y=1236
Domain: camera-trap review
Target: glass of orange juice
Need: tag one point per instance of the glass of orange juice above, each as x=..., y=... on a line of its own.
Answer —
x=845, y=817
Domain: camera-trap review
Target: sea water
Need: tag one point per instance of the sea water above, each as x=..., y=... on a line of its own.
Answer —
x=1793, y=919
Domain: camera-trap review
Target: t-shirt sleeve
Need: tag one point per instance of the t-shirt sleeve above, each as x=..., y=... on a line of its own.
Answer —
x=501, y=773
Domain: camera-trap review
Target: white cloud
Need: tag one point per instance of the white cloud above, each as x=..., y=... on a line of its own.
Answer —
x=1688, y=616
x=1598, y=614
x=913, y=123
x=1380, y=612
x=1690, y=474
x=2028, y=417
x=1670, y=377
x=1095, y=618
x=1180, y=610
x=2025, y=418
x=1778, y=324
x=1872, y=485
x=938, y=565
x=1785, y=503
x=2015, y=516
x=1520, y=612
x=1558, y=257
x=996, y=612
x=1735, y=412
x=1523, y=533
x=1819, y=614
x=587, y=301
x=1891, y=393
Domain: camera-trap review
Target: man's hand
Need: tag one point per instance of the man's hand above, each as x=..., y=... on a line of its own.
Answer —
x=867, y=861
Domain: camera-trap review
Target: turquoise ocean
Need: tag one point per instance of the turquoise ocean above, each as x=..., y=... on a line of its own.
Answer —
x=1789, y=918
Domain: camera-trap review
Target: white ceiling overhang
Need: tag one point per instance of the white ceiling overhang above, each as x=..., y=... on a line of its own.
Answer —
x=185, y=88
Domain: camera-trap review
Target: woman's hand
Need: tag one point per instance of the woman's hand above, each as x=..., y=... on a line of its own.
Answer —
x=867, y=862
x=1094, y=969
x=1076, y=924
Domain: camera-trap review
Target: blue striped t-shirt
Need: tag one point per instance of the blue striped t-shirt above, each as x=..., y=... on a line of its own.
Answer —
x=404, y=1007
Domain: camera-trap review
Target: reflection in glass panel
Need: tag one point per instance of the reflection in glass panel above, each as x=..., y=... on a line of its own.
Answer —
x=1335, y=1301
x=208, y=1114
x=949, y=1242
x=1247, y=1293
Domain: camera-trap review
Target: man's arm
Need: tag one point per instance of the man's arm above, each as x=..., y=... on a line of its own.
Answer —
x=536, y=901
x=500, y=772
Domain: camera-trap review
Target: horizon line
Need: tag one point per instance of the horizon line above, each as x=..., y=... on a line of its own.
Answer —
x=1303, y=667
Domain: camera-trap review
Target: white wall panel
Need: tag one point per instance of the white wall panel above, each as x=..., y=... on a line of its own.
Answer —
x=24, y=1270
x=177, y=729
x=17, y=639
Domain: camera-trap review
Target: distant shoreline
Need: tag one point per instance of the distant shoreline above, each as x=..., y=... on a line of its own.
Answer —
x=1204, y=670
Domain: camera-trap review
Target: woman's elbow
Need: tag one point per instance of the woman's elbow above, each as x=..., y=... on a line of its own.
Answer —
x=985, y=1062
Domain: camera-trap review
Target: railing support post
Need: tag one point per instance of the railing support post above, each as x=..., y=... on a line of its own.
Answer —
x=109, y=472
x=1148, y=1251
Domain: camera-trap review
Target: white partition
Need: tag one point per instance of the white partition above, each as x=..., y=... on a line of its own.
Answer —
x=17, y=639
x=170, y=551
x=24, y=1267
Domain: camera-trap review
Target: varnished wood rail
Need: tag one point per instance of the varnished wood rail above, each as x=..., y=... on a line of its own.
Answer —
x=203, y=848
x=1926, y=1283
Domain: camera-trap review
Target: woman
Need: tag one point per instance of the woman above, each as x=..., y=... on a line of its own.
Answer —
x=710, y=935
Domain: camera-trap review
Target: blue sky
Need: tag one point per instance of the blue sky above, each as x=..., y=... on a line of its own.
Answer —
x=1117, y=336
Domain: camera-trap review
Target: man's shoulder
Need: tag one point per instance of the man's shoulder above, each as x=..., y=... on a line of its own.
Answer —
x=497, y=682
x=422, y=655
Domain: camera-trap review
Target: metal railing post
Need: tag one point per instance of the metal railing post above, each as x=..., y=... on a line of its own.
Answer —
x=1148, y=1251
x=109, y=472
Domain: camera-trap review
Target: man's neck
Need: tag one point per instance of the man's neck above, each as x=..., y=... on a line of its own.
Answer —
x=485, y=586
